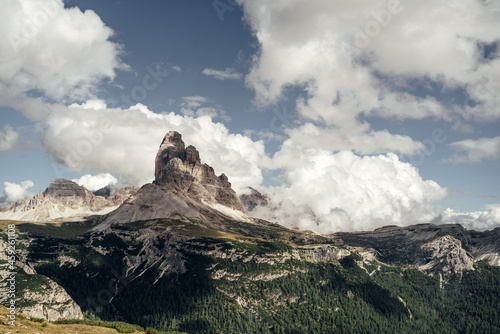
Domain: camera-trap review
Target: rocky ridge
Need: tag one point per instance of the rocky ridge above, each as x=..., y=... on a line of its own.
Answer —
x=64, y=200
x=253, y=199
x=441, y=249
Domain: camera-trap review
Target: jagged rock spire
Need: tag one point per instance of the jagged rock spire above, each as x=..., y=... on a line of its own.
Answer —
x=179, y=168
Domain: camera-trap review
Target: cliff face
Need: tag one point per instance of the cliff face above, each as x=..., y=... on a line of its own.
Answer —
x=325, y=253
x=446, y=256
x=183, y=187
x=180, y=168
x=50, y=302
x=65, y=189
x=39, y=296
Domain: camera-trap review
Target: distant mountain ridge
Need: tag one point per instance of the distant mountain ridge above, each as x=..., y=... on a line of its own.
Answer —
x=445, y=249
x=64, y=200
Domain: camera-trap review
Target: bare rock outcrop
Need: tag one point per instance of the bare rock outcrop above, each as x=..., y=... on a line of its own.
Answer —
x=40, y=296
x=446, y=256
x=180, y=168
x=325, y=253
x=50, y=302
x=441, y=249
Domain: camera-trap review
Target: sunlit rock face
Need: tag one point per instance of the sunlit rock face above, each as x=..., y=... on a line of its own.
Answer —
x=180, y=168
x=183, y=187
x=445, y=255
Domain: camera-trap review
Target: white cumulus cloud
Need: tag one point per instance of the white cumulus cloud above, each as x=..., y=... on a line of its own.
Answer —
x=125, y=142
x=363, y=141
x=487, y=219
x=14, y=192
x=96, y=182
x=329, y=192
x=358, y=58
x=62, y=52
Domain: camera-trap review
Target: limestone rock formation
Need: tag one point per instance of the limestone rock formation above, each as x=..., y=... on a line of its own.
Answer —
x=40, y=296
x=64, y=200
x=50, y=302
x=183, y=187
x=61, y=188
x=180, y=168
x=446, y=256
x=325, y=253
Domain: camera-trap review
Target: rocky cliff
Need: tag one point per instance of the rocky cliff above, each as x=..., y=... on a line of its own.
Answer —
x=36, y=295
x=183, y=187
x=180, y=168
x=446, y=256
x=253, y=199
x=51, y=302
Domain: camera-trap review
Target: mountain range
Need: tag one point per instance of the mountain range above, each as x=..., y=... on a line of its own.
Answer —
x=183, y=253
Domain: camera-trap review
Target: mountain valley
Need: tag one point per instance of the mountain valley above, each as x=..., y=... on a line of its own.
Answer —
x=180, y=254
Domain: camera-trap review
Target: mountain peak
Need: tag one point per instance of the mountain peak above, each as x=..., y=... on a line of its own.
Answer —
x=64, y=188
x=182, y=186
x=179, y=167
x=173, y=147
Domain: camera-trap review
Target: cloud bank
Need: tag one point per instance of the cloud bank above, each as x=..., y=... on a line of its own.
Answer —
x=486, y=219
x=328, y=192
x=360, y=58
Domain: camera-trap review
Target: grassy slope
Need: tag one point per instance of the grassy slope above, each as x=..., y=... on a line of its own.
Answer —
x=26, y=326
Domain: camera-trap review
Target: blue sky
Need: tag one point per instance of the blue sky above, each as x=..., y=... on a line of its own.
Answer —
x=392, y=106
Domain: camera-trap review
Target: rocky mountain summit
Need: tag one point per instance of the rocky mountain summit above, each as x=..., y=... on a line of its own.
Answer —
x=180, y=168
x=183, y=188
x=64, y=200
